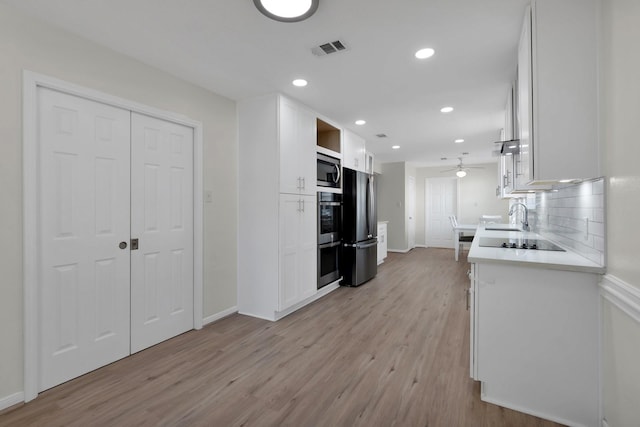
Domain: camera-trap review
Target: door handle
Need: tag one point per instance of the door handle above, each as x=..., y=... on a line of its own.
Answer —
x=134, y=244
x=123, y=245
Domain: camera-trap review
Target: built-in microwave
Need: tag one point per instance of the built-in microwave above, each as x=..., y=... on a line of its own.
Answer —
x=328, y=171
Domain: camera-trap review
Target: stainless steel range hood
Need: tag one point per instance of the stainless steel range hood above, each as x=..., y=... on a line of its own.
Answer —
x=509, y=148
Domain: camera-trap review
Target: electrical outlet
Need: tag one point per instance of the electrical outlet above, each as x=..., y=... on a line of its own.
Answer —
x=208, y=196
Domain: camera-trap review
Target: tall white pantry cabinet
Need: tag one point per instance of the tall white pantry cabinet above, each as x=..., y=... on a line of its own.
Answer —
x=277, y=247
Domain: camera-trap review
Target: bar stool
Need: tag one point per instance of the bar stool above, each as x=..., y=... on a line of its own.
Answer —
x=459, y=238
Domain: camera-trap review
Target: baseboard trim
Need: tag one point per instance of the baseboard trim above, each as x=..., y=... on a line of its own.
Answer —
x=526, y=410
x=12, y=399
x=621, y=294
x=399, y=251
x=321, y=292
x=422, y=246
x=219, y=315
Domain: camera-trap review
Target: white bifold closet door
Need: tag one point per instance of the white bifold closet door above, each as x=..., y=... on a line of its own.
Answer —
x=108, y=176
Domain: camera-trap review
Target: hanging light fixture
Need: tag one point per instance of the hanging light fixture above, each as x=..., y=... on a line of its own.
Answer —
x=287, y=10
x=461, y=173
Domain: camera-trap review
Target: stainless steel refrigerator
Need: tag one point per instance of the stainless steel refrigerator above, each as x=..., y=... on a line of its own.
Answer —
x=360, y=228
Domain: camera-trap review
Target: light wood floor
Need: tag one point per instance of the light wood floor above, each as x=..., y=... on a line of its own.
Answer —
x=393, y=352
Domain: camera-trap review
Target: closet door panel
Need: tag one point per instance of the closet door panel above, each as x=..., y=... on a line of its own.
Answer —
x=84, y=149
x=162, y=223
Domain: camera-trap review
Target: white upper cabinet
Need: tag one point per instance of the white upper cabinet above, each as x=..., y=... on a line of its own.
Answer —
x=557, y=92
x=353, y=151
x=297, y=127
x=368, y=160
x=505, y=163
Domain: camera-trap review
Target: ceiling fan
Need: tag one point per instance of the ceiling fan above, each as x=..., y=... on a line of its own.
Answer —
x=461, y=170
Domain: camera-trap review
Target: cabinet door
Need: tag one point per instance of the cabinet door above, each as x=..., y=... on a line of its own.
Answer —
x=297, y=128
x=507, y=167
x=353, y=156
x=290, y=179
x=307, y=156
x=290, y=212
x=368, y=168
x=523, y=161
x=308, y=248
x=473, y=312
x=298, y=249
x=382, y=243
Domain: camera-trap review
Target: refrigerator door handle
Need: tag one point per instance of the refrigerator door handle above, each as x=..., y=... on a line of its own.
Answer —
x=370, y=206
x=368, y=245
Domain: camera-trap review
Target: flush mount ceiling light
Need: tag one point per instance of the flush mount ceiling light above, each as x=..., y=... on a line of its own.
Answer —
x=287, y=10
x=461, y=174
x=446, y=109
x=458, y=141
x=425, y=53
x=360, y=122
x=395, y=147
x=299, y=82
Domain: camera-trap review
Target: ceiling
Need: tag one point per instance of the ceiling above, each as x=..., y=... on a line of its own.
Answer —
x=228, y=47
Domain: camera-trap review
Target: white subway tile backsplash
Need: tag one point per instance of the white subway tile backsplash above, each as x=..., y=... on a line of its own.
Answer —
x=563, y=214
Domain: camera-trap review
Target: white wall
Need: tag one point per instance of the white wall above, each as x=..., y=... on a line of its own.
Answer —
x=620, y=91
x=392, y=204
x=477, y=195
x=27, y=44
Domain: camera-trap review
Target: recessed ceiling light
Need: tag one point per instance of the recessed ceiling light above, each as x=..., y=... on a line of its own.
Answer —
x=395, y=147
x=287, y=10
x=458, y=141
x=425, y=53
x=360, y=122
x=299, y=82
x=446, y=109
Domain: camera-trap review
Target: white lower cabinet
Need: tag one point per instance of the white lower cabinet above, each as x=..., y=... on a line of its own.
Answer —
x=382, y=242
x=534, y=340
x=298, y=249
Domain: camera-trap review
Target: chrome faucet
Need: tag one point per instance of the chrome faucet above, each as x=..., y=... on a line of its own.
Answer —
x=525, y=221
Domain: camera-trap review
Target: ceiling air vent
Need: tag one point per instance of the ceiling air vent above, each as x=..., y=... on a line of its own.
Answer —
x=329, y=48
x=381, y=135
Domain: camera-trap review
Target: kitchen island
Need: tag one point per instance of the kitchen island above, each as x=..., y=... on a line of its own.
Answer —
x=534, y=328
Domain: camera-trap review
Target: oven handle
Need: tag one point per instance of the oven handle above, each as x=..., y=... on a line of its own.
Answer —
x=329, y=203
x=329, y=245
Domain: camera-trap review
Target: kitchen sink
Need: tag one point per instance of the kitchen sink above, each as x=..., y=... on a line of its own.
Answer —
x=528, y=244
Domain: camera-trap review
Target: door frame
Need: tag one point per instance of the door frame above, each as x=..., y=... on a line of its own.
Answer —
x=427, y=216
x=31, y=207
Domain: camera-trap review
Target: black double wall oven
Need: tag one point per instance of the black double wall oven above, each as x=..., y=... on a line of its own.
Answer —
x=329, y=237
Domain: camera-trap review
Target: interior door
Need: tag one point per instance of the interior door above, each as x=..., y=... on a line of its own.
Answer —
x=411, y=208
x=84, y=215
x=441, y=201
x=162, y=223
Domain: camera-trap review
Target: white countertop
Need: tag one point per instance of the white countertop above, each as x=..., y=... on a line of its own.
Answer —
x=383, y=222
x=556, y=260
